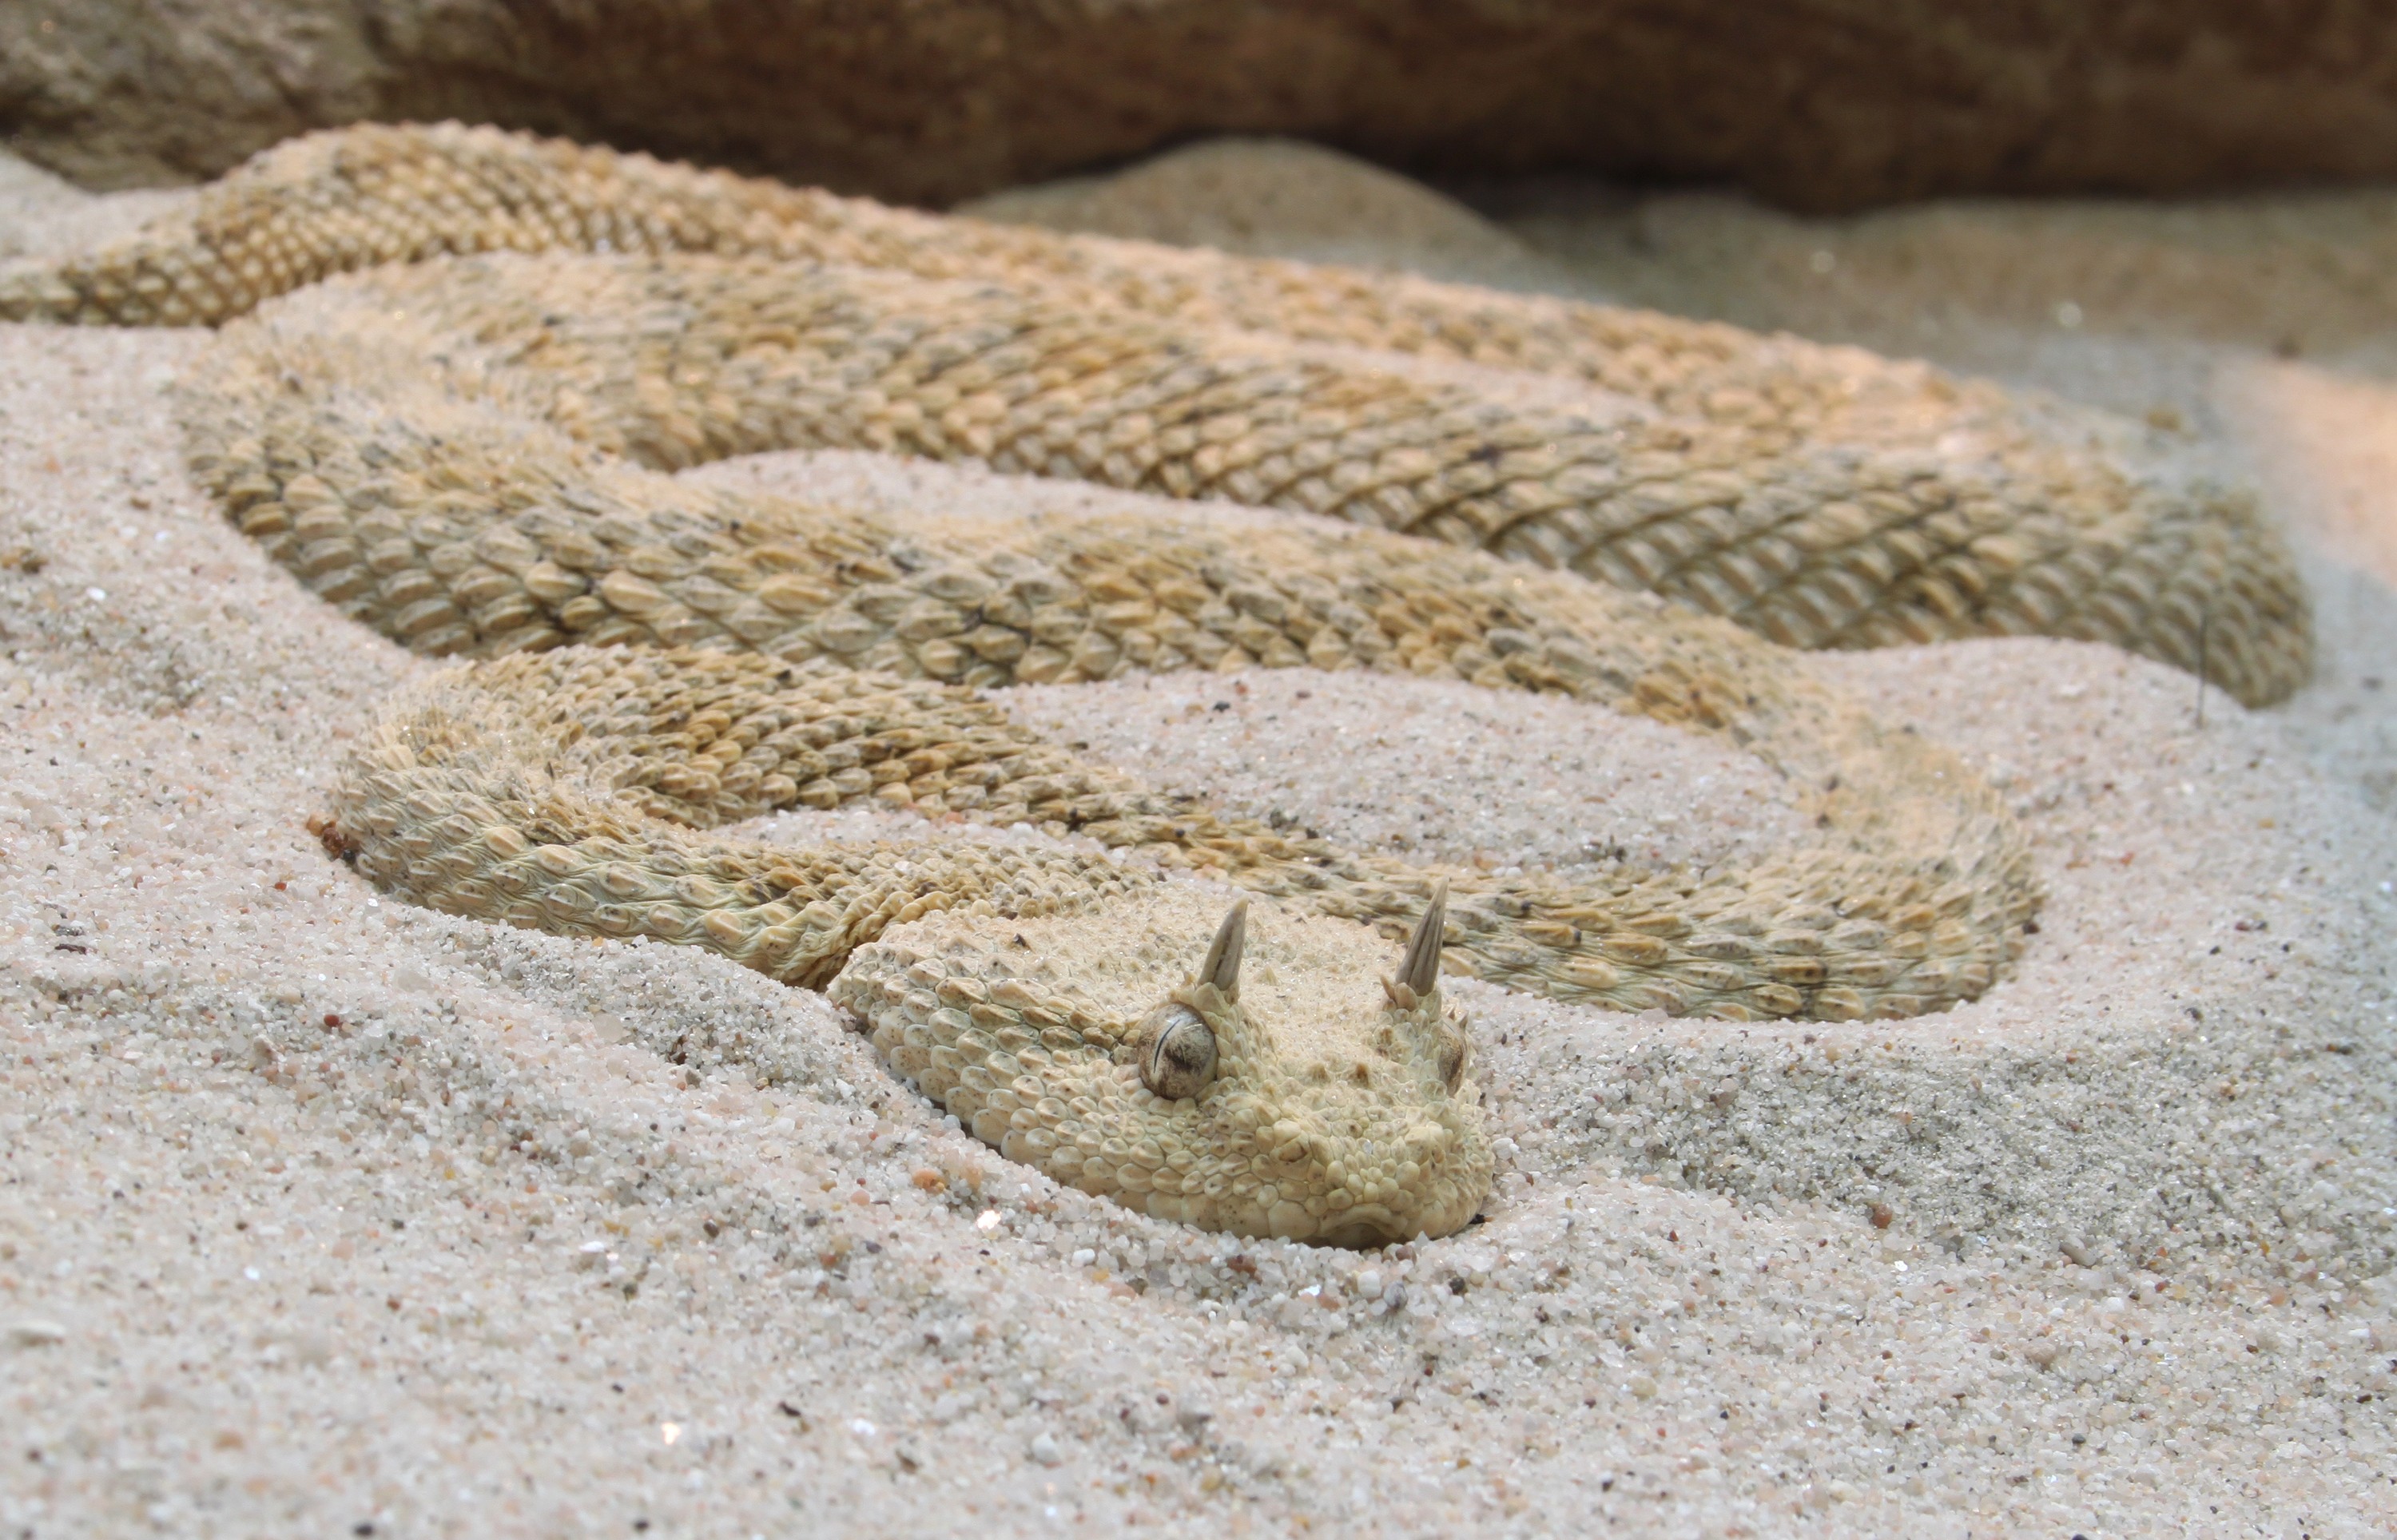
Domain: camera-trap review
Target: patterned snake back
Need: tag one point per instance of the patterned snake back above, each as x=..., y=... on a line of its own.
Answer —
x=458, y=370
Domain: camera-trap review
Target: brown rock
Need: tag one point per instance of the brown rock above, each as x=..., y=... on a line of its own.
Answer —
x=1831, y=104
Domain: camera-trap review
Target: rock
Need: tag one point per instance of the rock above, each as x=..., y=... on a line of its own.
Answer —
x=1836, y=105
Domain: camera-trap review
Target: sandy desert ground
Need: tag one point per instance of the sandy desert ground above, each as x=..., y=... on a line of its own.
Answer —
x=2109, y=1252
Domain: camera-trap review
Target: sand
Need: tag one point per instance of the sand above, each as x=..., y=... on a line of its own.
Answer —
x=2109, y=1252
x=1284, y=198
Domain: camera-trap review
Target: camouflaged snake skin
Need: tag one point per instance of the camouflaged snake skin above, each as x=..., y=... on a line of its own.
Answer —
x=1817, y=495
x=472, y=456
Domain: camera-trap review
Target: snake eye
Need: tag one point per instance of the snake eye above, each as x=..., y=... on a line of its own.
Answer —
x=1177, y=1052
x=1175, y=1045
x=1453, y=1053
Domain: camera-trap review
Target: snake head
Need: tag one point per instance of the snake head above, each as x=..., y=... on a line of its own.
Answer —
x=1291, y=1084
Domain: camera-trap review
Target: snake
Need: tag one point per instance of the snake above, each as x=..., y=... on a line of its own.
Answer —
x=456, y=371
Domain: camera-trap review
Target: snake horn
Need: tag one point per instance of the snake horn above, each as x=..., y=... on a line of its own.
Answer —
x=1223, y=966
x=1419, y=970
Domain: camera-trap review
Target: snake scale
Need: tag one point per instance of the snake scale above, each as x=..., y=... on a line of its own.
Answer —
x=458, y=368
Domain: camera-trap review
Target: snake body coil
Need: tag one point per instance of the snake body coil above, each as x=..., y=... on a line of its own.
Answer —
x=474, y=454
